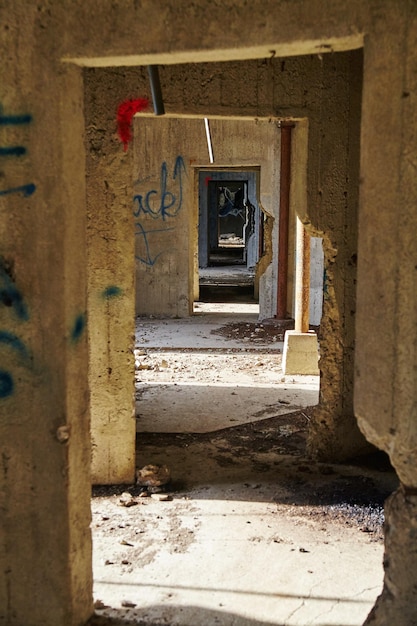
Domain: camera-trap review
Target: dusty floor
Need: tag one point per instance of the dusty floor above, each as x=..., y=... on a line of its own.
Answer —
x=253, y=532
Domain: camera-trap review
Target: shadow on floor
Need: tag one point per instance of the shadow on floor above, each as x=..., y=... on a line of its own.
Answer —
x=176, y=616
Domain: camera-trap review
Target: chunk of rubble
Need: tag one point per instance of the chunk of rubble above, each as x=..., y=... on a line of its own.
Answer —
x=153, y=477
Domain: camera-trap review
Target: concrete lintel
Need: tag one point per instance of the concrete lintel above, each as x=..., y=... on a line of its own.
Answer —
x=301, y=353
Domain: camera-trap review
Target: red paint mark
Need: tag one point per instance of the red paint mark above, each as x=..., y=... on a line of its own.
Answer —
x=207, y=180
x=125, y=112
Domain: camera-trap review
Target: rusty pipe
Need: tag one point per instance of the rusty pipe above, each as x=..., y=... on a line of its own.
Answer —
x=283, y=221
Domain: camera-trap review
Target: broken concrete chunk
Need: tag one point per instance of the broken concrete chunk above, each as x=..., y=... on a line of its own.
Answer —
x=153, y=476
x=128, y=604
x=161, y=497
x=126, y=499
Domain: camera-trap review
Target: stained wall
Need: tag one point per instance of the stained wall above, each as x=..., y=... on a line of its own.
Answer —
x=45, y=548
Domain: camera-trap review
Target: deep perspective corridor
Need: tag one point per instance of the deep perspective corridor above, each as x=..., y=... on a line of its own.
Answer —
x=120, y=123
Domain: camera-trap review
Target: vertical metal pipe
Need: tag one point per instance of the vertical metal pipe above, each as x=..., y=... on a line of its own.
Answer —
x=302, y=279
x=283, y=222
x=158, y=103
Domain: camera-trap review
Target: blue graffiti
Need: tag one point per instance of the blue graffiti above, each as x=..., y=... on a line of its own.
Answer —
x=6, y=384
x=166, y=203
x=26, y=190
x=10, y=296
x=13, y=151
x=112, y=291
x=14, y=120
x=10, y=340
x=148, y=259
x=78, y=327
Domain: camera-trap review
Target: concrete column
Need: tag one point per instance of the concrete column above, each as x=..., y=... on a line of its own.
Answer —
x=333, y=190
x=302, y=279
x=397, y=603
x=300, y=354
x=45, y=543
x=111, y=289
x=386, y=362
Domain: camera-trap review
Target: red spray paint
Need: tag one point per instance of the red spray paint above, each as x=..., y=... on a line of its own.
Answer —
x=125, y=112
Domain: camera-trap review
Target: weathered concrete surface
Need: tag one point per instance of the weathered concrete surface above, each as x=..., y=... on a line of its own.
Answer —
x=45, y=543
x=168, y=156
x=301, y=353
x=386, y=389
x=322, y=94
x=111, y=296
x=398, y=602
x=43, y=244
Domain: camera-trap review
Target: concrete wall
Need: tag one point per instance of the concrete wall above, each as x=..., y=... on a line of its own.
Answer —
x=174, y=150
x=44, y=351
x=325, y=91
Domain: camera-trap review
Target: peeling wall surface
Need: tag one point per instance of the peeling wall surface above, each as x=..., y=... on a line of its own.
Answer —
x=347, y=71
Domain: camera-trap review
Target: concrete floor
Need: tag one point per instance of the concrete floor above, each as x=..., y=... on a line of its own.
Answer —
x=252, y=534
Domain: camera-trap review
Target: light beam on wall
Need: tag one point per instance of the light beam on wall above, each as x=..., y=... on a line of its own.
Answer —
x=209, y=146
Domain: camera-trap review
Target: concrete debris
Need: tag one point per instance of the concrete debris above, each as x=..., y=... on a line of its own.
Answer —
x=128, y=604
x=126, y=499
x=153, y=477
x=161, y=497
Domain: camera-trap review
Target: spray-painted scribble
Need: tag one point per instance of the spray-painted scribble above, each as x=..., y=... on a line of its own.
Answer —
x=10, y=340
x=6, y=384
x=125, y=112
x=15, y=151
x=14, y=120
x=12, y=151
x=163, y=203
x=26, y=190
x=143, y=234
x=10, y=296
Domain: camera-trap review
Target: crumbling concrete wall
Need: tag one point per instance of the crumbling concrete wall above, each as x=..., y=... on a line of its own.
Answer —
x=44, y=385
x=327, y=92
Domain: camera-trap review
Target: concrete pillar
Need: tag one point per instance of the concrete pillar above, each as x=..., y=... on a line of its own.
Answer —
x=45, y=543
x=300, y=355
x=386, y=361
x=332, y=206
x=397, y=603
x=111, y=287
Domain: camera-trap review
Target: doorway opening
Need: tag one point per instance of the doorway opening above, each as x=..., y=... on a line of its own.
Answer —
x=235, y=486
x=229, y=236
